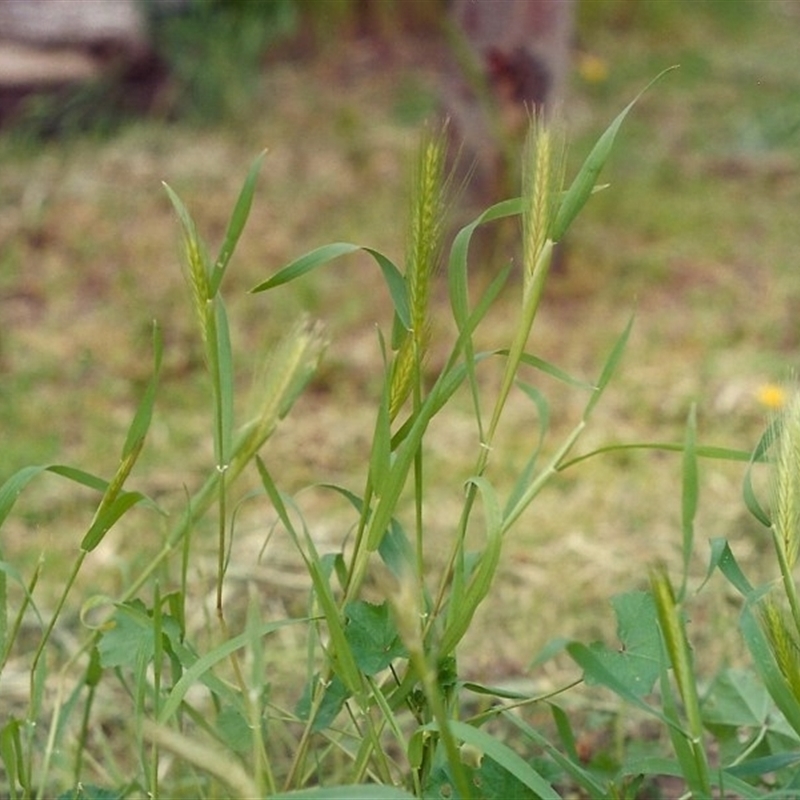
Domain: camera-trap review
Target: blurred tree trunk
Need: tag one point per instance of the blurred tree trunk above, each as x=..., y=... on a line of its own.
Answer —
x=514, y=58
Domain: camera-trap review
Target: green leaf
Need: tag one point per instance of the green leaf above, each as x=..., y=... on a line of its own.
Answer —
x=584, y=183
x=241, y=211
x=372, y=636
x=201, y=666
x=736, y=698
x=88, y=791
x=759, y=454
x=505, y=757
x=497, y=783
x=322, y=255
x=462, y=608
x=234, y=729
x=333, y=700
x=360, y=792
x=609, y=368
x=223, y=383
x=722, y=558
x=636, y=662
x=108, y=516
x=689, y=493
x=144, y=413
x=767, y=668
x=131, y=637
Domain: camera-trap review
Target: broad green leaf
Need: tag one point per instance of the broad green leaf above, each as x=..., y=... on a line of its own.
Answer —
x=584, y=183
x=736, y=698
x=497, y=783
x=636, y=662
x=235, y=730
x=132, y=636
x=241, y=211
x=372, y=635
x=333, y=700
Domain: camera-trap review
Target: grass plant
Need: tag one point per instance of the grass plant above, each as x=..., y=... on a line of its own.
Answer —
x=380, y=707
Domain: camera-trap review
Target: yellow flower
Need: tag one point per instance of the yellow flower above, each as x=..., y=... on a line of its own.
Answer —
x=592, y=68
x=771, y=396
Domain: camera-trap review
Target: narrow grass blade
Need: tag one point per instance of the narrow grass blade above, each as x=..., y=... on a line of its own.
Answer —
x=582, y=186
x=505, y=757
x=552, y=370
x=570, y=762
x=759, y=454
x=609, y=367
x=526, y=474
x=701, y=451
x=195, y=672
x=462, y=609
x=144, y=413
x=241, y=211
x=689, y=494
x=222, y=375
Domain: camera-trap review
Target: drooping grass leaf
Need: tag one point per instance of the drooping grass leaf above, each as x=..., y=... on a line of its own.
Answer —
x=505, y=757
x=759, y=454
x=722, y=558
x=322, y=255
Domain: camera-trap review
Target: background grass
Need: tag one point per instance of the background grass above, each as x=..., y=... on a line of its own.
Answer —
x=698, y=234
